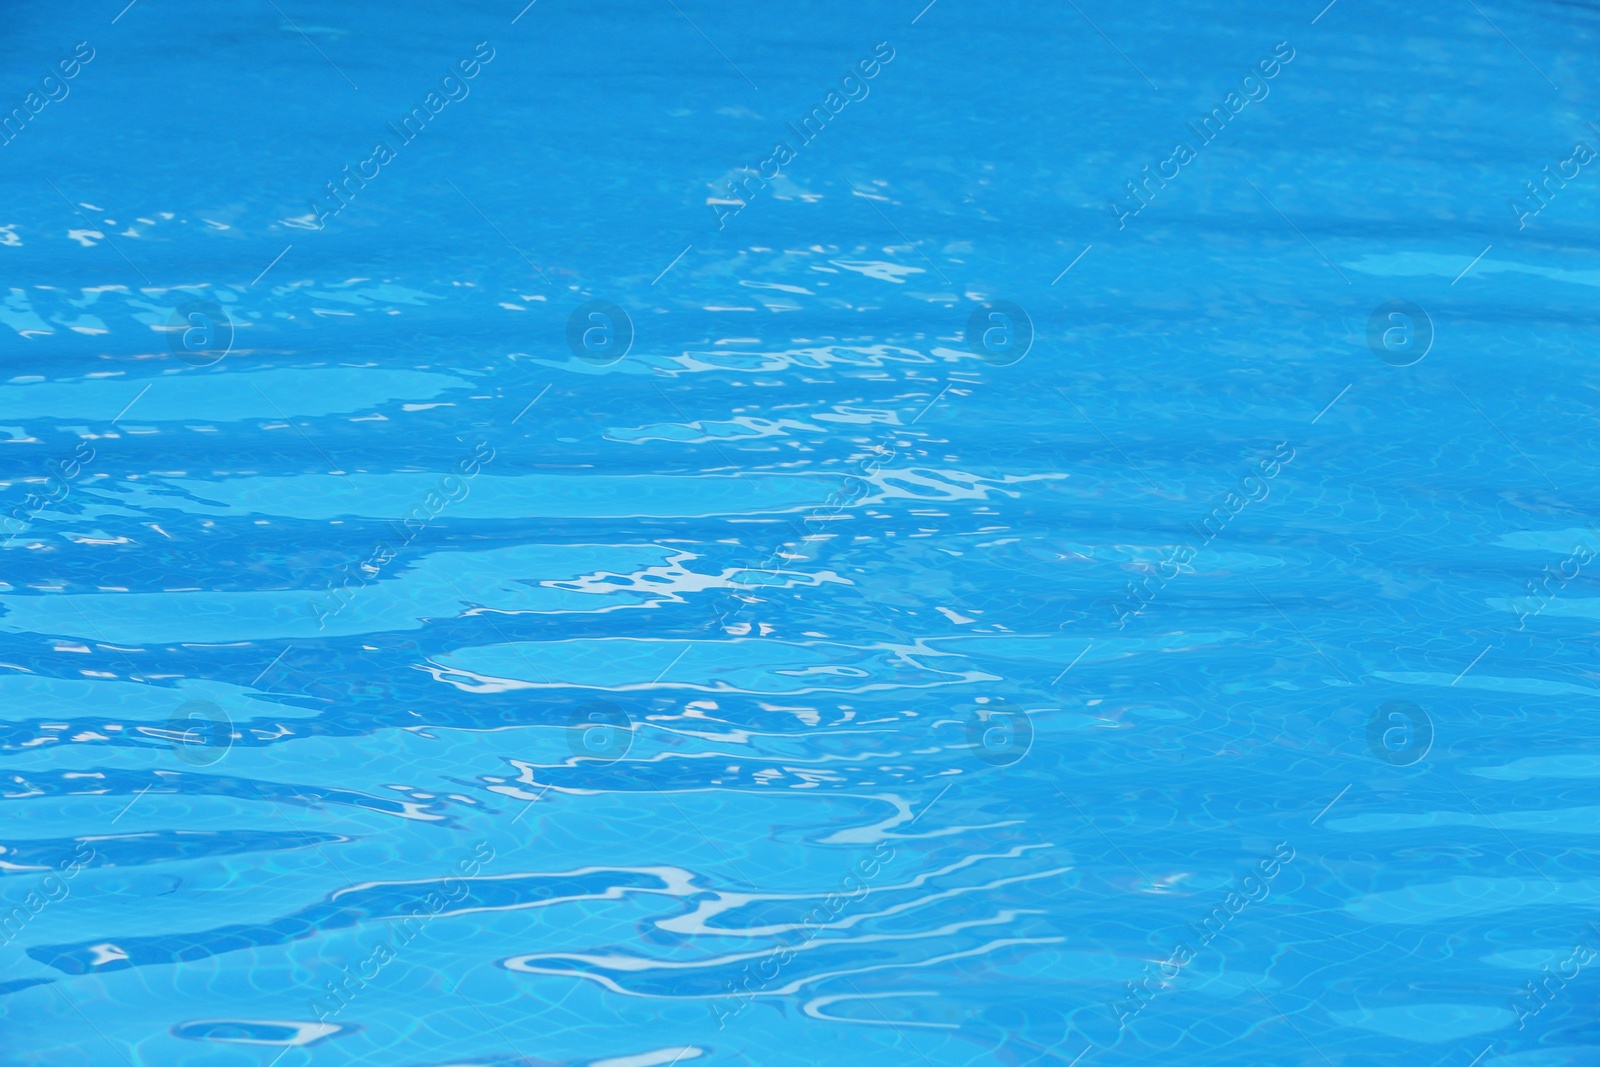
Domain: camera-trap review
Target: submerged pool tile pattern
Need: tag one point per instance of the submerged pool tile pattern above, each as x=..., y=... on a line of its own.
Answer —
x=621, y=535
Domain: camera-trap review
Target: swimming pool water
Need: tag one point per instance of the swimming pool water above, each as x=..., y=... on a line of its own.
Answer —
x=620, y=535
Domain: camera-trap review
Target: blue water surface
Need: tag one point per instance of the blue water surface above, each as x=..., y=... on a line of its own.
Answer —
x=620, y=535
